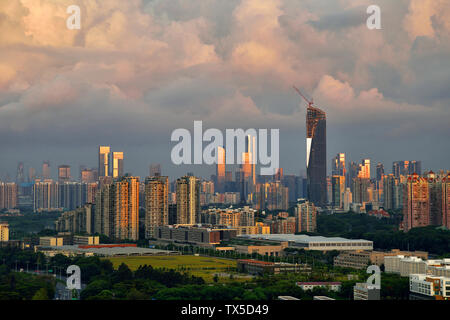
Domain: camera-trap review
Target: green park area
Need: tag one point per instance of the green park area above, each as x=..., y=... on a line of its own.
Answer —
x=205, y=267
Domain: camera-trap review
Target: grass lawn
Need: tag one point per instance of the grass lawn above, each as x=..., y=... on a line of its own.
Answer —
x=204, y=267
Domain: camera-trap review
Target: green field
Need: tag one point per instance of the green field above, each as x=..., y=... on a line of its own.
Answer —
x=204, y=267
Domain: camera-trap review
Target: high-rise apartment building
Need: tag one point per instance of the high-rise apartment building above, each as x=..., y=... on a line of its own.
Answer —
x=188, y=200
x=156, y=204
x=347, y=199
x=277, y=196
x=64, y=173
x=45, y=195
x=305, y=217
x=389, y=190
x=416, y=207
x=31, y=175
x=46, y=170
x=20, y=176
x=103, y=161
x=316, y=154
x=117, y=165
x=8, y=195
x=446, y=201
x=404, y=168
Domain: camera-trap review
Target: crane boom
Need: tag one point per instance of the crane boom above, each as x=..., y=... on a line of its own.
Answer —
x=310, y=103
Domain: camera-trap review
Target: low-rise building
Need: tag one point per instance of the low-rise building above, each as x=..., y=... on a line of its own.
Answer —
x=51, y=241
x=322, y=298
x=363, y=291
x=332, y=286
x=256, y=267
x=352, y=259
x=91, y=240
x=427, y=287
x=4, y=231
x=262, y=250
x=195, y=234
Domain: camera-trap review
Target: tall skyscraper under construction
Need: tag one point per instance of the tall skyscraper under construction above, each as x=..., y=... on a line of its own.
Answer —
x=316, y=154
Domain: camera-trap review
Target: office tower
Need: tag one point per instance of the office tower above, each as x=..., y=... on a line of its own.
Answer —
x=446, y=201
x=364, y=169
x=338, y=165
x=353, y=168
x=103, y=161
x=416, y=207
x=277, y=196
x=31, y=175
x=87, y=176
x=305, y=217
x=63, y=173
x=45, y=195
x=46, y=170
x=316, y=155
x=8, y=195
x=20, y=177
x=389, y=186
x=4, y=231
x=380, y=171
x=117, y=165
x=220, y=169
x=188, y=200
x=155, y=170
x=156, y=204
x=347, y=199
x=338, y=188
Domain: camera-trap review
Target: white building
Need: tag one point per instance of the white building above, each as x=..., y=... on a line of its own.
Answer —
x=332, y=286
x=430, y=286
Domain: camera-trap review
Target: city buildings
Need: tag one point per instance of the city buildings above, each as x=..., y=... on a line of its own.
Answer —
x=64, y=173
x=117, y=209
x=80, y=220
x=331, y=286
x=338, y=189
x=261, y=268
x=416, y=205
x=194, y=234
x=305, y=217
x=156, y=204
x=188, y=200
x=8, y=195
x=103, y=160
x=316, y=154
x=117, y=165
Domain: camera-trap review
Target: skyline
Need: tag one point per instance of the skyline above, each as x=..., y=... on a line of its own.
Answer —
x=137, y=70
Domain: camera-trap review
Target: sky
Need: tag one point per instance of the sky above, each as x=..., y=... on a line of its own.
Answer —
x=137, y=70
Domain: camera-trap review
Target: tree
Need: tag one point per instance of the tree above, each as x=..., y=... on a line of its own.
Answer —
x=41, y=294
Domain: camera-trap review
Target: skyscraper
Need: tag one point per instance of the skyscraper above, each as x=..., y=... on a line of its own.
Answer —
x=338, y=188
x=64, y=173
x=380, y=171
x=46, y=170
x=156, y=204
x=117, y=209
x=338, y=165
x=305, y=217
x=188, y=200
x=364, y=169
x=220, y=169
x=446, y=201
x=20, y=177
x=103, y=161
x=316, y=154
x=117, y=162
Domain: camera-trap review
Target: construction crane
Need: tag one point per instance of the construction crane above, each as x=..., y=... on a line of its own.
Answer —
x=310, y=103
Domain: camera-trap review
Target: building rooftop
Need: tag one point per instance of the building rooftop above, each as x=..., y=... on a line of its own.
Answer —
x=300, y=238
x=106, y=251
